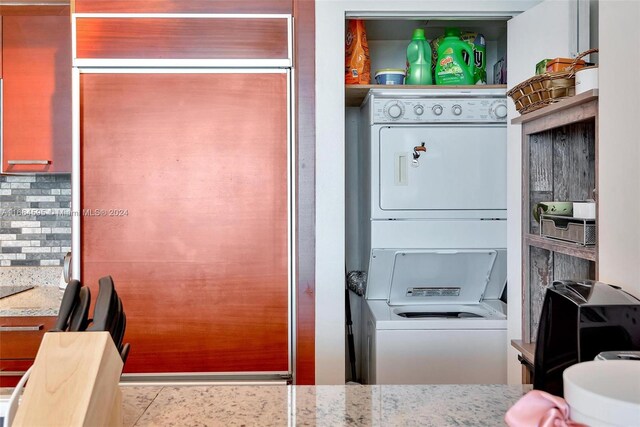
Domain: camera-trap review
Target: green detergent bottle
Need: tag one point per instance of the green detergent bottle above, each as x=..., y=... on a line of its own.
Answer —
x=418, y=60
x=451, y=68
x=480, y=60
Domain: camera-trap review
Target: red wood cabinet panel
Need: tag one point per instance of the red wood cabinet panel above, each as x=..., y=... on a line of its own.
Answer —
x=23, y=344
x=36, y=63
x=304, y=55
x=183, y=6
x=195, y=167
x=12, y=370
x=18, y=349
x=182, y=38
x=32, y=8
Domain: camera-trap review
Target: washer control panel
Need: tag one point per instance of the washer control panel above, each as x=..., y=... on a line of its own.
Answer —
x=440, y=110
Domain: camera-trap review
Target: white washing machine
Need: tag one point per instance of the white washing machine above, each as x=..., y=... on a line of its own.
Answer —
x=435, y=317
x=435, y=250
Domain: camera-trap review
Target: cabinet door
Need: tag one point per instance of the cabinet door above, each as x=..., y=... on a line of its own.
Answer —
x=20, y=339
x=549, y=30
x=21, y=336
x=185, y=194
x=36, y=104
x=112, y=40
x=183, y=6
x=443, y=178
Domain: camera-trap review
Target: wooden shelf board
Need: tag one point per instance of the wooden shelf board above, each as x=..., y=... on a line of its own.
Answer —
x=565, y=104
x=355, y=94
x=527, y=349
x=572, y=249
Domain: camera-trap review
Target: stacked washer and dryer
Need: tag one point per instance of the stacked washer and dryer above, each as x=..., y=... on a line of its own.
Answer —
x=434, y=161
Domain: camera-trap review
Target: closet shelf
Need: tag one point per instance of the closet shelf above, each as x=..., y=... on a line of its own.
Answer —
x=355, y=94
x=572, y=249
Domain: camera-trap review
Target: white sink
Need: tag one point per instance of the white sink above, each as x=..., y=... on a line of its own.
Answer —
x=604, y=393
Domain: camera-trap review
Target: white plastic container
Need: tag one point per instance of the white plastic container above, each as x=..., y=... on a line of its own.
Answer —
x=586, y=79
x=390, y=76
x=604, y=393
x=584, y=210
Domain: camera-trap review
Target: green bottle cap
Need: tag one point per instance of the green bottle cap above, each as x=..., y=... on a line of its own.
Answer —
x=418, y=34
x=452, y=32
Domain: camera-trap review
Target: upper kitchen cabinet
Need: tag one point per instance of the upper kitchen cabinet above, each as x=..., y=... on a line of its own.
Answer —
x=34, y=7
x=183, y=6
x=191, y=39
x=36, y=93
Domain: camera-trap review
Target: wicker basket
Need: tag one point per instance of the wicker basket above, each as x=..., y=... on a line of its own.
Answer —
x=544, y=89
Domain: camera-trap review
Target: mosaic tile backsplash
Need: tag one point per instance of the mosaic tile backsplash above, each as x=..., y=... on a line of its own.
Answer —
x=35, y=221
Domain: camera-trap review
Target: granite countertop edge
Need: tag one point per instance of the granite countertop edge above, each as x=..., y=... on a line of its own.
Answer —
x=350, y=405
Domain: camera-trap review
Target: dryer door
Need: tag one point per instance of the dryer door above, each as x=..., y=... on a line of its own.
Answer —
x=460, y=167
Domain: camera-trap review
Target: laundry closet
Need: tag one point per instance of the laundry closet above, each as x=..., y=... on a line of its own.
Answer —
x=426, y=205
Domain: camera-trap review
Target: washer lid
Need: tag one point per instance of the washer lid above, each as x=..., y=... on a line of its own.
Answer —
x=440, y=276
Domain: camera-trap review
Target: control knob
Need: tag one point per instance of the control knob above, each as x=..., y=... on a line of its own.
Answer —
x=394, y=110
x=499, y=110
x=437, y=109
x=456, y=110
x=418, y=109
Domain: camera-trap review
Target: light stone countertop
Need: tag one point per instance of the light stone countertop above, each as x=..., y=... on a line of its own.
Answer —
x=39, y=301
x=334, y=406
x=43, y=300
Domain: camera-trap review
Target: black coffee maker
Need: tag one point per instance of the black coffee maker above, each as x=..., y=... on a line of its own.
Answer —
x=578, y=321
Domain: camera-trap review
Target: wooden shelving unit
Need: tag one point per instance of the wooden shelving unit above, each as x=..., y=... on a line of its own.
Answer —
x=355, y=94
x=528, y=350
x=555, y=110
x=566, y=248
x=528, y=354
x=559, y=163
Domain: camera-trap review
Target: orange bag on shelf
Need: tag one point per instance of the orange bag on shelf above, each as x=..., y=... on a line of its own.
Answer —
x=357, y=63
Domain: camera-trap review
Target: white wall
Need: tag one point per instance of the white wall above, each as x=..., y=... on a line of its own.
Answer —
x=594, y=26
x=619, y=144
x=330, y=156
x=330, y=188
x=352, y=191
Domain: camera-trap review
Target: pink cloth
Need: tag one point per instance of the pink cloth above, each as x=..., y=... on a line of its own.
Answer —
x=540, y=409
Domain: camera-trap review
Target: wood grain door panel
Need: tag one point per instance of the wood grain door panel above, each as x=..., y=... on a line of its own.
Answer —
x=304, y=57
x=23, y=344
x=200, y=259
x=36, y=68
x=182, y=38
x=183, y=6
x=11, y=371
x=35, y=8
